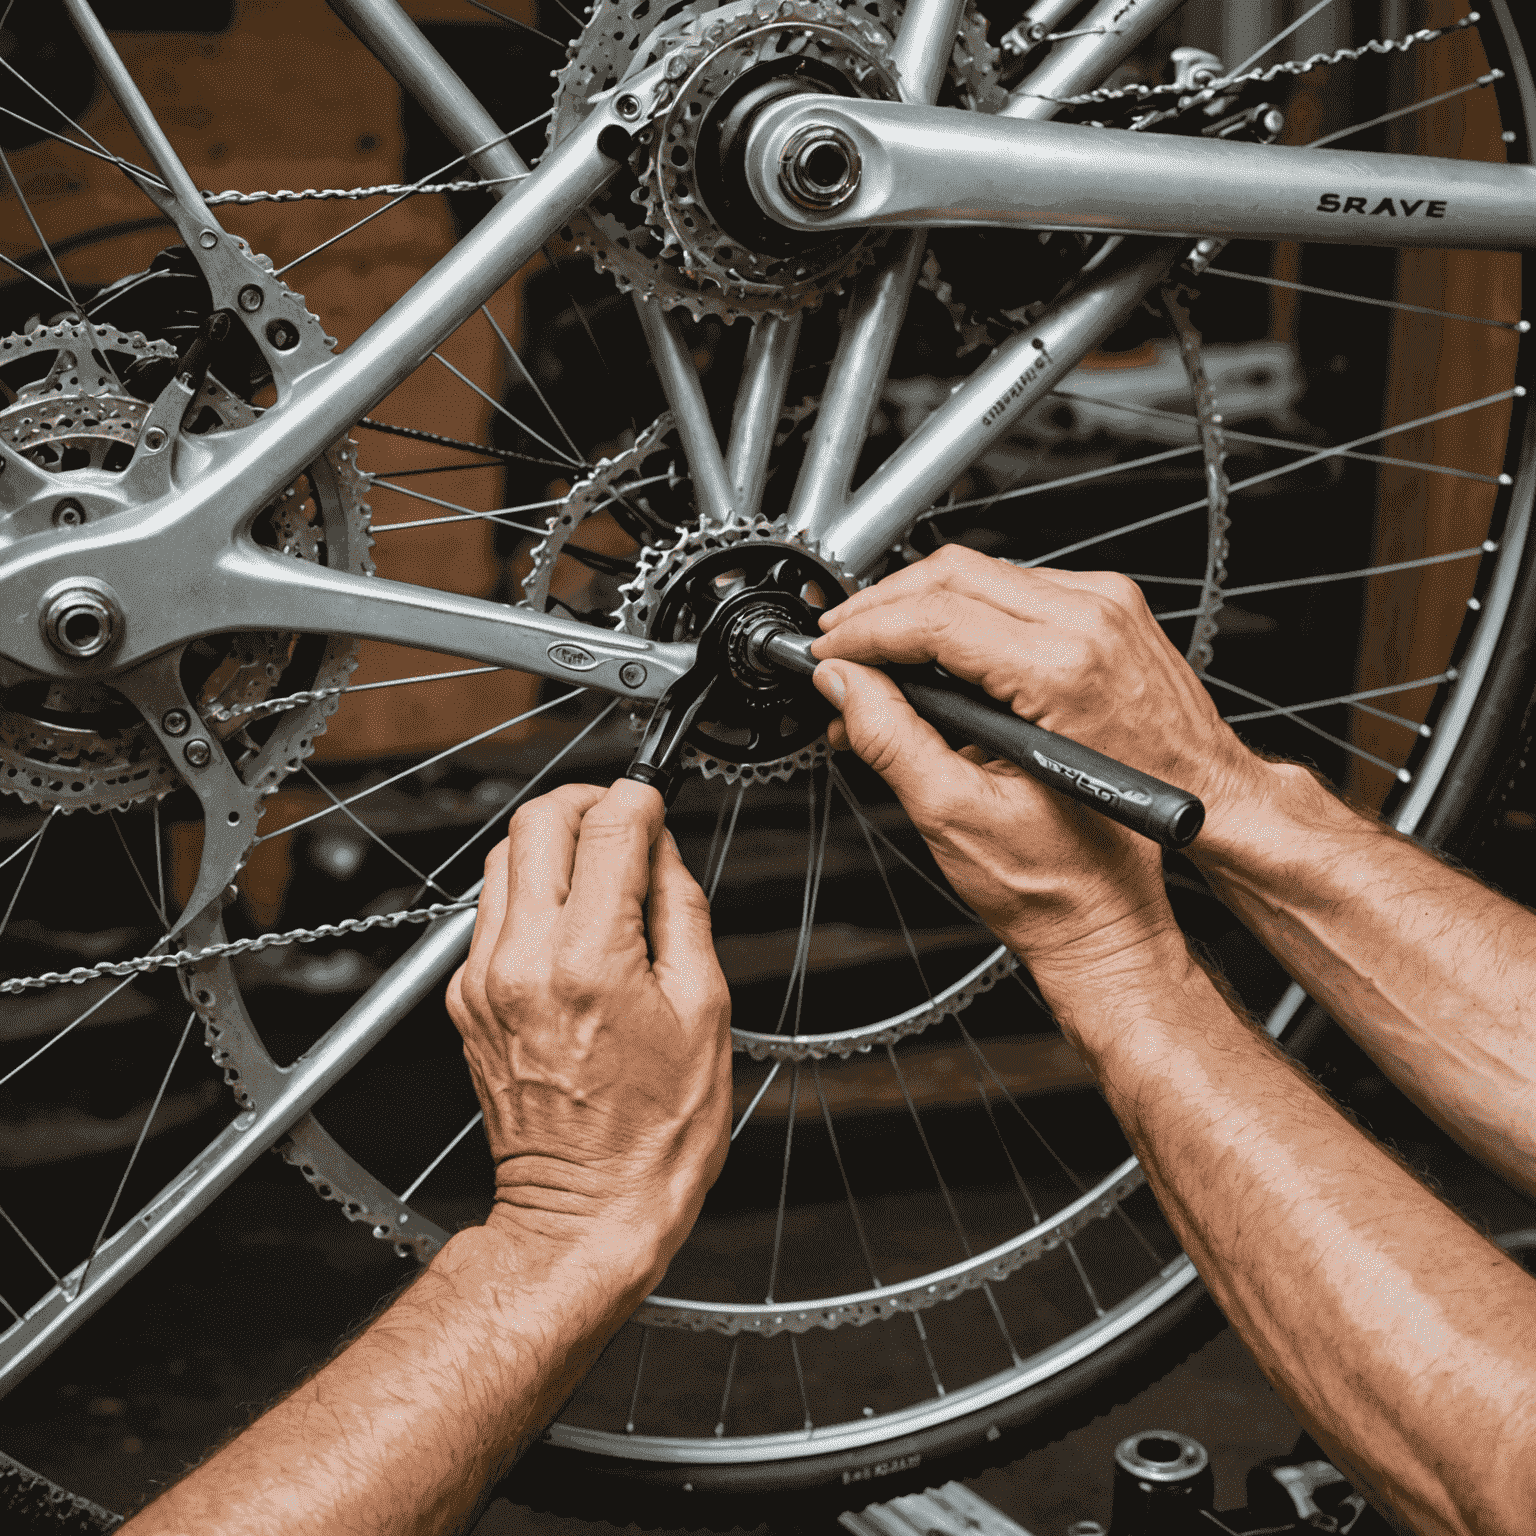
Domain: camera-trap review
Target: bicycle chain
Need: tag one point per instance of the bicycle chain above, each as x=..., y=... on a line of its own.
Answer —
x=1218, y=488
x=143, y=965
x=1296, y=67
x=351, y=194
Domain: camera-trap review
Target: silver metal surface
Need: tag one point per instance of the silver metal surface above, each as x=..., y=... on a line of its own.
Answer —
x=713, y=494
x=222, y=480
x=865, y=345
x=952, y=1510
x=1112, y=31
x=924, y=44
x=937, y=166
x=791, y=651
x=247, y=1138
x=1017, y=375
x=759, y=404
x=402, y=48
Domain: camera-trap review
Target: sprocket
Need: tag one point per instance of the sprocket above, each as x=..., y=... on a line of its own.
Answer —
x=646, y=605
x=659, y=231
x=76, y=746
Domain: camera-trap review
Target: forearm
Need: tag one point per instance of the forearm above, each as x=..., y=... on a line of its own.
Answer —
x=401, y=1432
x=1377, y=1312
x=1432, y=973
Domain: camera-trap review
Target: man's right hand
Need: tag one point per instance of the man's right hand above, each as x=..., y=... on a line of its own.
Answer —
x=1078, y=654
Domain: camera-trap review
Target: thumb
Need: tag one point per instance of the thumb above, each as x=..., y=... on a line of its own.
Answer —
x=884, y=730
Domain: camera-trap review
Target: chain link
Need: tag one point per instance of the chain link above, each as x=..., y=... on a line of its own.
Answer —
x=1186, y=98
x=145, y=964
x=352, y=194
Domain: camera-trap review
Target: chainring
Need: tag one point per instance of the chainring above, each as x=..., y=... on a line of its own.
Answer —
x=654, y=230
x=76, y=746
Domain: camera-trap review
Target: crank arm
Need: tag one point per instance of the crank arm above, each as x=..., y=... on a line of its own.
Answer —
x=919, y=166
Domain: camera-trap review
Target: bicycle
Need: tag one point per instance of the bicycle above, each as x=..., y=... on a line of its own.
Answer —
x=189, y=566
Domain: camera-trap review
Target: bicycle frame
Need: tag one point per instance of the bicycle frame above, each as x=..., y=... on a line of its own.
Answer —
x=925, y=165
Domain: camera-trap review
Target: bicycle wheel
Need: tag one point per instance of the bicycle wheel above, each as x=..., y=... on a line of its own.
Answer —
x=929, y=1230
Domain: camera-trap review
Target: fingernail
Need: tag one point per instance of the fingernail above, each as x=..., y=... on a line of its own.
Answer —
x=831, y=684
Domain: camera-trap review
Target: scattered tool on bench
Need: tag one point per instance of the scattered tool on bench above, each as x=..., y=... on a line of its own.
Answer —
x=755, y=651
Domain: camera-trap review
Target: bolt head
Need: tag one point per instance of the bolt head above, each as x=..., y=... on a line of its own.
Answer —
x=81, y=619
x=819, y=167
x=250, y=298
x=155, y=439
x=628, y=107
x=208, y=239
x=175, y=722
x=197, y=752
x=69, y=513
x=632, y=674
x=283, y=335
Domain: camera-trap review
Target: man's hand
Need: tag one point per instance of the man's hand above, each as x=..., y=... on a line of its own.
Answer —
x=1077, y=654
x=603, y=1065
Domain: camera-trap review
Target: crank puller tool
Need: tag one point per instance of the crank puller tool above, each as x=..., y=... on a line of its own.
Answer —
x=1162, y=812
x=659, y=759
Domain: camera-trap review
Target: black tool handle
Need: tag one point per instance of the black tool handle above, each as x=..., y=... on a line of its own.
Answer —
x=1167, y=815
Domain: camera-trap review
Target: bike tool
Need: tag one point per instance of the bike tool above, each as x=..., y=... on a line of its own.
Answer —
x=753, y=669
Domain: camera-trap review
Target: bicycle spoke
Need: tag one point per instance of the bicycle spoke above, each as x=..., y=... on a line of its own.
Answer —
x=859, y=815
x=437, y=757
x=1283, y=469
x=789, y=1146
x=1485, y=548
x=21, y=848
x=1521, y=326
x=949, y=1201
x=527, y=788
x=426, y=880
x=1232, y=435
x=421, y=1178
x=1344, y=698
x=390, y=476
x=53, y=1274
x=516, y=421
x=757, y=1098
x=53, y=260
x=807, y=910
x=138, y=1146
x=1279, y=37
x=1479, y=84
x=522, y=368
x=805, y=1402
x=634, y=1396
x=463, y=514
x=1018, y=493
x=730, y=832
x=133, y=864
x=37, y=843
x=415, y=186
x=725, y=1396
x=1400, y=773
x=47, y=287
x=512, y=21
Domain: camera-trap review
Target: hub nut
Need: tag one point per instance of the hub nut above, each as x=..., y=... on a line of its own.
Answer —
x=819, y=167
x=81, y=620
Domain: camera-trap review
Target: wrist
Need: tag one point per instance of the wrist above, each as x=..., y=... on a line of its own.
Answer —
x=1262, y=821
x=1105, y=1009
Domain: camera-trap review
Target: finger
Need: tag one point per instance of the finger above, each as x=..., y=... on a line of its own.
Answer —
x=1029, y=594
x=1024, y=665
x=902, y=748
x=685, y=961
x=490, y=916
x=611, y=873
x=541, y=849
